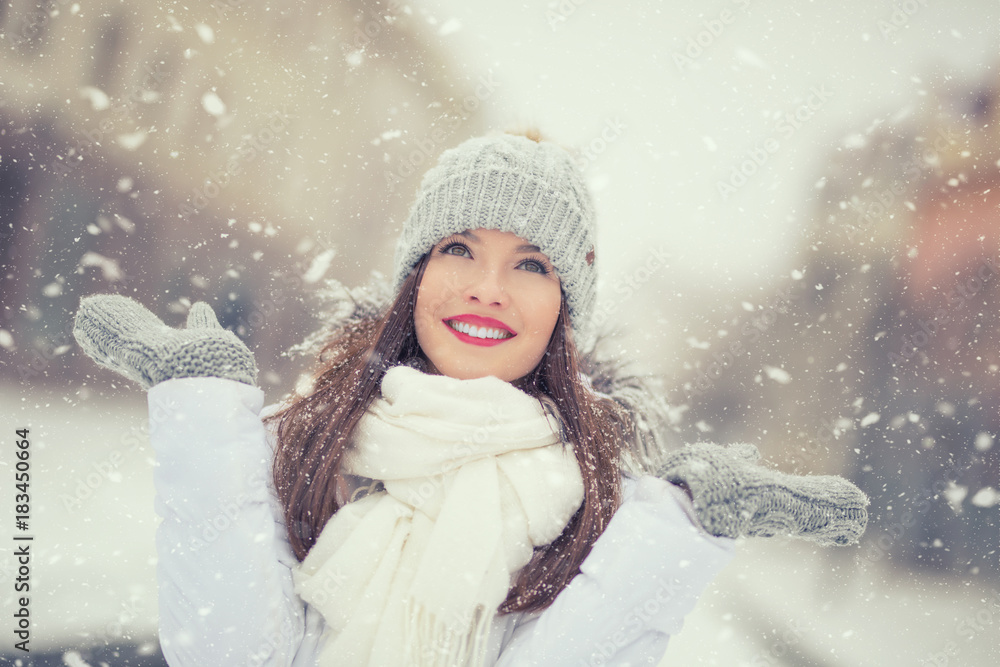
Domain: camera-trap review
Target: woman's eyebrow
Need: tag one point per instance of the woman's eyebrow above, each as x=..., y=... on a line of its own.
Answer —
x=524, y=247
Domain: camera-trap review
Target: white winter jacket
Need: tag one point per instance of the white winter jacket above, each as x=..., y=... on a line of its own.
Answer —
x=224, y=568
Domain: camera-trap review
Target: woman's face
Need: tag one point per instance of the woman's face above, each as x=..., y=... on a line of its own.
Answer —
x=486, y=282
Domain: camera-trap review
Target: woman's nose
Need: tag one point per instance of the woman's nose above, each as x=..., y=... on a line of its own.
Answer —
x=487, y=287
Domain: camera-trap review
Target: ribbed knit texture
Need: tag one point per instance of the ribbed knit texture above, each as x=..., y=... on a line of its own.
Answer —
x=511, y=184
x=122, y=335
x=734, y=496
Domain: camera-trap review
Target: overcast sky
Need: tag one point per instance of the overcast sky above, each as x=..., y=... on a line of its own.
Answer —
x=685, y=92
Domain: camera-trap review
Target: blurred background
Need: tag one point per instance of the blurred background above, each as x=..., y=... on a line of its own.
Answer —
x=822, y=179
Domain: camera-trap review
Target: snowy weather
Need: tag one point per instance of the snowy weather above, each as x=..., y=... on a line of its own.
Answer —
x=564, y=332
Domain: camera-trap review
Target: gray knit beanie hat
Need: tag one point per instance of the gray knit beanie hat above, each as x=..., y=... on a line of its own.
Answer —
x=512, y=184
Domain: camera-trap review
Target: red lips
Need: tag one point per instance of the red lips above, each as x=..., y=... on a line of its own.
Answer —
x=480, y=321
x=483, y=322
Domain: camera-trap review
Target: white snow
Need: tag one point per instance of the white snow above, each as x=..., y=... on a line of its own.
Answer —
x=449, y=27
x=698, y=344
x=109, y=267
x=355, y=58
x=986, y=497
x=205, y=33
x=132, y=140
x=74, y=659
x=945, y=408
x=213, y=104
x=126, y=225
x=955, y=494
x=98, y=99
x=779, y=375
x=869, y=419
x=317, y=269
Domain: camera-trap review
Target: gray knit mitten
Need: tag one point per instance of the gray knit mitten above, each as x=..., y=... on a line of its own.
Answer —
x=735, y=496
x=119, y=333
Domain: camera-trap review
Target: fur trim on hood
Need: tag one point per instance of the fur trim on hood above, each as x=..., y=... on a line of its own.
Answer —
x=642, y=396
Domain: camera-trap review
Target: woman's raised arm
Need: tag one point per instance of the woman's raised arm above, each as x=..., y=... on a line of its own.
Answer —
x=226, y=595
x=667, y=542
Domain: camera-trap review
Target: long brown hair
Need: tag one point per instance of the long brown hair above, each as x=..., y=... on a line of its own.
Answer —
x=315, y=427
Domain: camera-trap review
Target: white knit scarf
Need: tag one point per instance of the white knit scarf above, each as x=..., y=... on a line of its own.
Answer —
x=475, y=476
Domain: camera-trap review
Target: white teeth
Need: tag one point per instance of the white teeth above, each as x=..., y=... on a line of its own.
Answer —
x=478, y=332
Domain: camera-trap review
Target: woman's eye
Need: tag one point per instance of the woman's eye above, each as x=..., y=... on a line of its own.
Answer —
x=447, y=250
x=539, y=267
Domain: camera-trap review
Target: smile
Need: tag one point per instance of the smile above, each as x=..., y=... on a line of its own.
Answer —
x=470, y=333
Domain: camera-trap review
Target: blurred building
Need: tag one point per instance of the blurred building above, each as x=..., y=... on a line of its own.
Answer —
x=233, y=151
x=880, y=357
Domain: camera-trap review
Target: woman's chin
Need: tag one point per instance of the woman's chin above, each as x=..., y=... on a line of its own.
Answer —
x=474, y=372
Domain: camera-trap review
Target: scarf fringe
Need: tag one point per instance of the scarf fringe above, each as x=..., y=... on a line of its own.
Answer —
x=434, y=642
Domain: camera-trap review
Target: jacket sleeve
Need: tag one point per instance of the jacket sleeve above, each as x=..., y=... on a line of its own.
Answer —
x=226, y=595
x=643, y=575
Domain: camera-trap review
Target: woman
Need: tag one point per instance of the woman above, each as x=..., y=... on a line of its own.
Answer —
x=449, y=491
